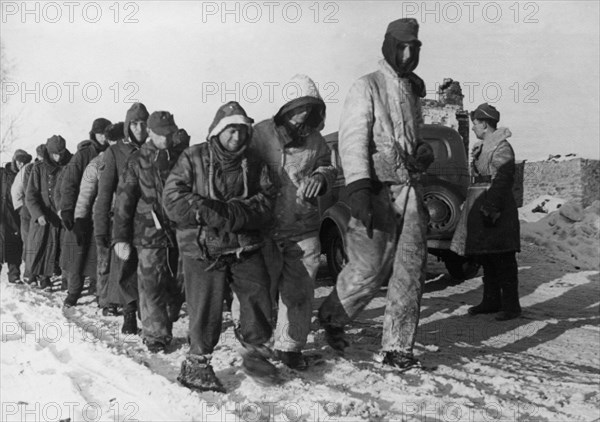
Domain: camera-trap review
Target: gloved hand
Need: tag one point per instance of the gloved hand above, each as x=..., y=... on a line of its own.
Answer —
x=103, y=241
x=80, y=228
x=361, y=206
x=68, y=219
x=424, y=155
x=489, y=214
x=421, y=160
x=211, y=212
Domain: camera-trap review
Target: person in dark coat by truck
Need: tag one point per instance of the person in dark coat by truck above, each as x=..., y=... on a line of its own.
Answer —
x=140, y=221
x=43, y=242
x=489, y=225
x=78, y=252
x=219, y=196
x=124, y=273
x=11, y=244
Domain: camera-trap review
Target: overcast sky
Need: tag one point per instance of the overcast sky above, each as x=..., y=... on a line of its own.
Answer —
x=537, y=62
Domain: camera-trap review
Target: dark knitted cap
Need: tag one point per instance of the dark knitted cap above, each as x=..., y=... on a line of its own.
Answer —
x=404, y=30
x=114, y=132
x=162, y=123
x=486, y=112
x=56, y=144
x=100, y=125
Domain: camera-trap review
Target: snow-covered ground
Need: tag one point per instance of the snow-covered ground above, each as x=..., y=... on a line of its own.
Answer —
x=544, y=366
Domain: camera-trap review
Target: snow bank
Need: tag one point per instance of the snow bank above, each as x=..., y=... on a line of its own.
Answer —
x=569, y=233
x=539, y=208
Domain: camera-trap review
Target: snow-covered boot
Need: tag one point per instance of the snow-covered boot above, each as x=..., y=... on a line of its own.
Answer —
x=399, y=360
x=256, y=365
x=293, y=360
x=197, y=373
x=129, y=323
x=335, y=337
x=70, y=301
x=45, y=283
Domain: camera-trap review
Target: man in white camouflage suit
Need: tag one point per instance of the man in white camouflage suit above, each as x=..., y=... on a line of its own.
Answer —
x=383, y=156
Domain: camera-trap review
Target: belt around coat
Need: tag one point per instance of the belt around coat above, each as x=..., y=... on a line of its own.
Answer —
x=481, y=179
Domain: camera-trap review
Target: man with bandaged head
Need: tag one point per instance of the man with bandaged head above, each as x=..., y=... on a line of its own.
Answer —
x=383, y=156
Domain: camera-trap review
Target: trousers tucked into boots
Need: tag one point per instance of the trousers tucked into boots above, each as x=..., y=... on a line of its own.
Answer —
x=500, y=284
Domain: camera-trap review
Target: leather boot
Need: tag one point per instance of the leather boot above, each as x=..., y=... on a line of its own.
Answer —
x=491, y=298
x=129, y=323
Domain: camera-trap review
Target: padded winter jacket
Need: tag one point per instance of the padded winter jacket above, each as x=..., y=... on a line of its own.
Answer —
x=288, y=167
x=139, y=217
x=71, y=180
x=380, y=125
x=212, y=222
x=114, y=163
x=88, y=190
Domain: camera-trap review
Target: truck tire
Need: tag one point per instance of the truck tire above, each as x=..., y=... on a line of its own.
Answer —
x=444, y=210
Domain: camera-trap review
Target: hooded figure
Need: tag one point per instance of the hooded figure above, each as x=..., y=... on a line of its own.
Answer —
x=78, y=253
x=219, y=198
x=299, y=163
x=11, y=245
x=383, y=157
x=43, y=242
x=115, y=158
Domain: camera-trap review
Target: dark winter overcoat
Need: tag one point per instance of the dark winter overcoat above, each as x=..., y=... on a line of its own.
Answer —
x=115, y=160
x=10, y=239
x=43, y=242
x=80, y=259
x=475, y=235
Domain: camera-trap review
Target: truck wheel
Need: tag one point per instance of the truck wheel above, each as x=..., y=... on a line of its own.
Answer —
x=443, y=206
x=335, y=252
x=461, y=268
